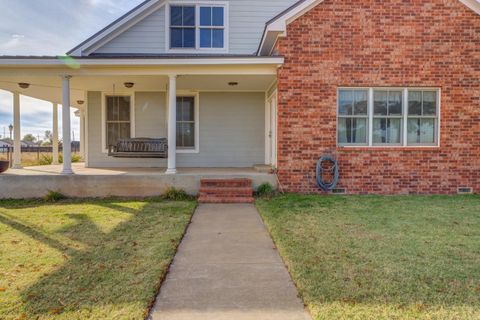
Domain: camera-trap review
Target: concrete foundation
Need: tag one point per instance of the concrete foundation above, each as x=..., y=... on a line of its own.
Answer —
x=35, y=182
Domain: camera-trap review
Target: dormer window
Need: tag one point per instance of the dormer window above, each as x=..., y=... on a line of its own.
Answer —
x=182, y=27
x=200, y=27
x=212, y=25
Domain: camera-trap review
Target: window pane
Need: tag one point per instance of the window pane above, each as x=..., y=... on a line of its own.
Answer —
x=361, y=102
x=380, y=103
x=415, y=103
x=395, y=103
x=112, y=109
x=429, y=103
x=217, y=41
x=345, y=102
x=124, y=131
x=386, y=131
x=185, y=109
x=352, y=130
x=186, y=135
x=205, y=16
x=124, y=108
x=421, y=131
x=112, y=134
x=188, y=16
x=217, y=18
x=189, y=38
x=175, y=16
x=205, y=38
x=176, y=38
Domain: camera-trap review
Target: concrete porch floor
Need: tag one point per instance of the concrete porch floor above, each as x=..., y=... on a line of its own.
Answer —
x=35, y=182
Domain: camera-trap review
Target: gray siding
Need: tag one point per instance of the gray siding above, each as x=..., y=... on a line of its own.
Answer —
x=147, y=36
x=247, y=20
x=231, y=130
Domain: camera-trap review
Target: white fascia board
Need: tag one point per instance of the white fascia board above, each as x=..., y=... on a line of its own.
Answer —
x=117, y=27
x=143, y=62
x=279, y=25
x=472, y=4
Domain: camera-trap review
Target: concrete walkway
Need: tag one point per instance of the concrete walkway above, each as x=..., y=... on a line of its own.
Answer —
x=227, y=268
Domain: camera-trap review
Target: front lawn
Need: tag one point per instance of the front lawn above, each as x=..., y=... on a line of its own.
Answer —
x=101, y=259
x=411, y=257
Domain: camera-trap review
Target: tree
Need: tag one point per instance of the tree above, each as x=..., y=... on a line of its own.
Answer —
x=29, y=138
x=48, y=135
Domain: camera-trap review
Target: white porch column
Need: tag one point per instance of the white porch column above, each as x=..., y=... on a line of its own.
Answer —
x=17, y=145
x=55, y=134
x=67, y=142
x=172, y=125
x=82, y=133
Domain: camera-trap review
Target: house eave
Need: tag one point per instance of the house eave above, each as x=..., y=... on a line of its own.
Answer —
x=120, y=61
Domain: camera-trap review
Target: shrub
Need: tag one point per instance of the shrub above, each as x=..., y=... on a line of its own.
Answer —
x=265, y=190
x=47, y=159
x=54, y=196
x=174, y=194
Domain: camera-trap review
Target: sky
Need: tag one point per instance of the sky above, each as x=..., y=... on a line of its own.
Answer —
x=48, y=27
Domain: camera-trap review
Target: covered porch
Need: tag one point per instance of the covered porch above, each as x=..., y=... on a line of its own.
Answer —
x=35, y=182
x=231, y=122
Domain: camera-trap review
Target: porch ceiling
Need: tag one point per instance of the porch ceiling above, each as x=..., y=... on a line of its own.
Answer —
x=49, y=88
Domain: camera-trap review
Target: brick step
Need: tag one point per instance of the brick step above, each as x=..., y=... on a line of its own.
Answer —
x=212, y=199
x=228, y=183
x=235, y=191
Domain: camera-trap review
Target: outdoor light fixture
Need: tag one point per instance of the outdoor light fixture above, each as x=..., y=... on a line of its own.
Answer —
x=80, y=102
x=129, y=85
x=233, y=84
x=24, y=85
x=10, y=127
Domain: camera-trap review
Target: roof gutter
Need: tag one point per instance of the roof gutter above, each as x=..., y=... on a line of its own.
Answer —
x=6, y=62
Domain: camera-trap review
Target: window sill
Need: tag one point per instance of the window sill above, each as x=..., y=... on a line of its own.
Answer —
x=388, y=148
x=187, y=151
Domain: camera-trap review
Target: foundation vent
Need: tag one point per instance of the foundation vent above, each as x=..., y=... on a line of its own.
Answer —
x=339, y=191
x=465, y=190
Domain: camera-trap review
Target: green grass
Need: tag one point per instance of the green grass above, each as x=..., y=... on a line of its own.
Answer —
x=411, y=257
x=99, y=259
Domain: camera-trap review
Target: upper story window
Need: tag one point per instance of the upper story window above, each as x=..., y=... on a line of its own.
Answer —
x=388, y=117
x=182, y=27
x=198, y=27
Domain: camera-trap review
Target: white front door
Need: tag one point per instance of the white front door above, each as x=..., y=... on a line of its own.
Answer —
x=271, y=130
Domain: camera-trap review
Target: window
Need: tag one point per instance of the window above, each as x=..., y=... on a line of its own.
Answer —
x=197, y=27
x=211, y=27
x=182, y=27
x=118, y=123
x=422, y=118
x=186, y=122
x=353, y=117
x=388, y=117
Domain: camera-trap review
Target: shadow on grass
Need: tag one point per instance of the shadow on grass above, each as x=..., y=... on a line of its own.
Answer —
x=120, y=271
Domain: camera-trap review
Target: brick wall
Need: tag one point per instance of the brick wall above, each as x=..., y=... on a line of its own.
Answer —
x=372, y=43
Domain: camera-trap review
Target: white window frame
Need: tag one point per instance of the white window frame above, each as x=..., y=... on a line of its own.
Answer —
x=196, y=106
x=405, y=117
x=104, y=115
x=197, y=6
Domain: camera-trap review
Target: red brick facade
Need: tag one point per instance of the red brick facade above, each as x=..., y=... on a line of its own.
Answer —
x=388, y=43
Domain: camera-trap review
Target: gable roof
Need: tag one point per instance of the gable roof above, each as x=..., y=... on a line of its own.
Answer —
x=277, y=27
x=116, y=27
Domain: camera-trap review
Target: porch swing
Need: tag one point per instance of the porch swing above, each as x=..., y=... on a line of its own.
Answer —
x=135, y=147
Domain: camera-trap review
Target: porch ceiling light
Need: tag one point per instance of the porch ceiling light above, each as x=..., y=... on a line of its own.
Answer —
x=129, y=85
x=24, y=85
x=80, y=102
x=233, y=84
